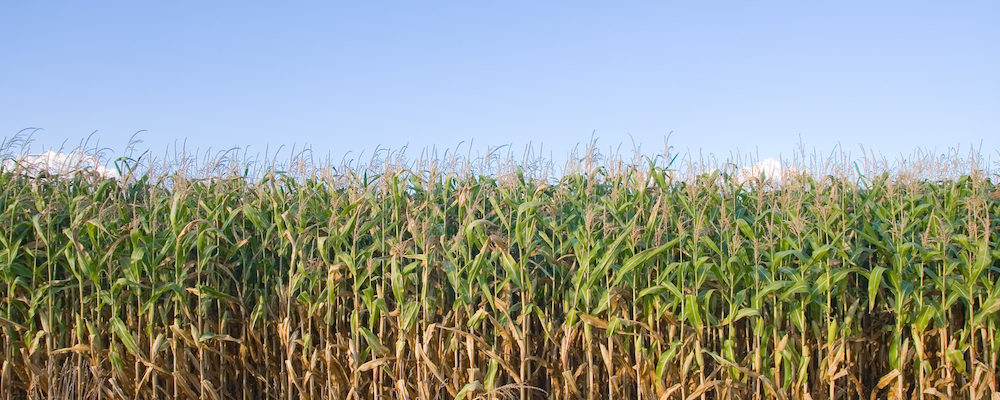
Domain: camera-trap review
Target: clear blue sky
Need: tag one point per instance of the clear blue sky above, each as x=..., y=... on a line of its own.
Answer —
x=722, y=76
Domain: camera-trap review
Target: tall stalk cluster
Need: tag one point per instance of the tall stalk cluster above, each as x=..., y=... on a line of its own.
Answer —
x=606, y=283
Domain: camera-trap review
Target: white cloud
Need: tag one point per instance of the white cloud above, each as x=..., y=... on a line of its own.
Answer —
x=63, y=164
x=770, y=169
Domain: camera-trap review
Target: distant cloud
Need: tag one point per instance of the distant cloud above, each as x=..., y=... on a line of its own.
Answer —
x=63, y=164
x=768, y=171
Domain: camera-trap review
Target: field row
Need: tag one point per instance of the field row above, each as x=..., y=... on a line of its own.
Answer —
x=437, y=286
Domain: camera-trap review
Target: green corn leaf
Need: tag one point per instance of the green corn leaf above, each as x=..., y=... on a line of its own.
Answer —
x=874, y=281
x=377, y=347
x=820, y=253
x=742, y=313
x=638, y=259
x=666, y=357
x=123, y=334
x=491, y=374
x=744, y=228
x=468, y=389
x=512, y=269
x=116, y=360
x=409, y=314
x=924, y=318
x=528, y=206
x=798, y=286
x=659, y=290
x=205, y=290
x=772, y=287
x=692, y=311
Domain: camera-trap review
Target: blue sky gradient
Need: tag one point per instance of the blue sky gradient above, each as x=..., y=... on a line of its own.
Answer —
x=722, y=76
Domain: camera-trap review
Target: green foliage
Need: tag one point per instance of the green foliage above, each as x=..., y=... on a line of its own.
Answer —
x=365, y=284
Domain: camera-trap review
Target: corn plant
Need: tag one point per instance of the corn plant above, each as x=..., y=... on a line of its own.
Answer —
x=423, y=281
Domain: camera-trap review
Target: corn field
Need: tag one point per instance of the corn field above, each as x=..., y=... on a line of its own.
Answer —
x=611, y=281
